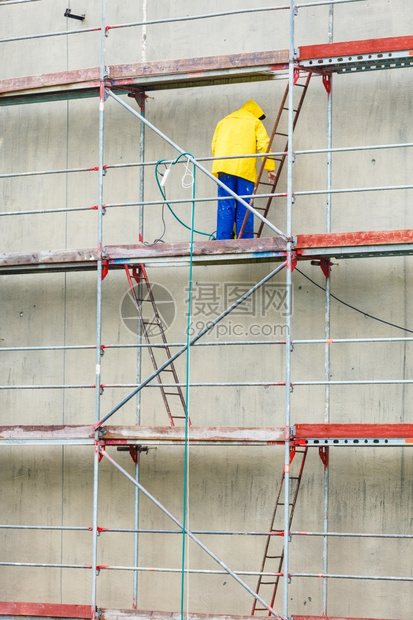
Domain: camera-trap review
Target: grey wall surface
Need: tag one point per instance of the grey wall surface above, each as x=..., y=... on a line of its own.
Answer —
x=230, y=489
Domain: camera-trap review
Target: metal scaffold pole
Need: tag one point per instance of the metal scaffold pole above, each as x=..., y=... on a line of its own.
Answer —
x=327, y=361
x=141, y=100
x=290, y=161
x=99, y=278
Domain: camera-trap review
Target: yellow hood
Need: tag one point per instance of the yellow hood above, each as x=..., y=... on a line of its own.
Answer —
x=253, y=107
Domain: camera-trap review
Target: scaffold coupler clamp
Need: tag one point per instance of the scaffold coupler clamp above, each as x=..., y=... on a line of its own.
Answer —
x=134, y=451
x=325, y=265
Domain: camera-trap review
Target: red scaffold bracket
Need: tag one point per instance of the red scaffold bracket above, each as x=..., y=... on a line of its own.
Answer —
x=136, y=274
x=134, y=451
x=296, y=75
x=292, y=262
x=324, y=454
x=105, y=269
x=325, y=265
x=140, y=98
x=100, y=447
x=327, y=82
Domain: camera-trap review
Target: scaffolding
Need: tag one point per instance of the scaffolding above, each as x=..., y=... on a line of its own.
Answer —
x=276, y=250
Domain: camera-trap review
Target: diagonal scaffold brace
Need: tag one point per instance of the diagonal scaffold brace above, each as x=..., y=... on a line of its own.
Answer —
x=195, y=339
x=246, y=204
x=192, y=536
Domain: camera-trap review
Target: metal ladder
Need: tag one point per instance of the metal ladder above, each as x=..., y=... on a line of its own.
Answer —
x=274, y=548
x=173, y=396
x=278, y=137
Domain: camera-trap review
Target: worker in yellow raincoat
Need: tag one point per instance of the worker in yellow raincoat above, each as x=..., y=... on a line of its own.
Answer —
x=239, y=133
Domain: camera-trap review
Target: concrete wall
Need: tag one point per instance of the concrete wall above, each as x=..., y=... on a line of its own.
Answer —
x=229, y=488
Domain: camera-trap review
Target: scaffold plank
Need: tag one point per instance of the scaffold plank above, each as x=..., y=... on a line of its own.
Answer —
x=353, y=56
x=196, y=435
x=294, y=617
x=354, y=48
x=308, y=431
x=341, y=245
x=151, y=75
x=355, y=244
x=51, y=610
x=131, y=435
x=203, y=252
x=44, y=259
x=369, y=237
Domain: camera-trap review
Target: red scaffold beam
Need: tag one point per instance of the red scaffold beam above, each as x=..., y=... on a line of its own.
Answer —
x=353, y=48
x=350, y=239
x=50, y=610
x=333, y=618
x=309, y=431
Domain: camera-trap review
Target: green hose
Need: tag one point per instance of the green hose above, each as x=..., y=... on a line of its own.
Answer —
x=163, y=161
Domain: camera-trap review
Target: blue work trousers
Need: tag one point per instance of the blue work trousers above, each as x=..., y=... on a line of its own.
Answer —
x=230, y=211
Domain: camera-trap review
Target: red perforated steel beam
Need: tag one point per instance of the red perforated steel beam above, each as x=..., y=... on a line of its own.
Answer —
x=352, y=48
x=50, y=610
x=308, y=431
x=349, y=239
x=333, y=618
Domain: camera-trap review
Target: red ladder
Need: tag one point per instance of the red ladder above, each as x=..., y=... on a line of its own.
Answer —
x=278, y=136
x=172, y=393
x=274, y=548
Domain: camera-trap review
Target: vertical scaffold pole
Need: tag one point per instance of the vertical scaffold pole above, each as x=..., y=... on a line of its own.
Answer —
x=327, y=332
x=141, y=102
x=290, y=161
x=98, y=305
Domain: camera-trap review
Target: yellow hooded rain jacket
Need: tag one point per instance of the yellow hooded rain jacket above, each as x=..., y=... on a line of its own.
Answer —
x=240, y=133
